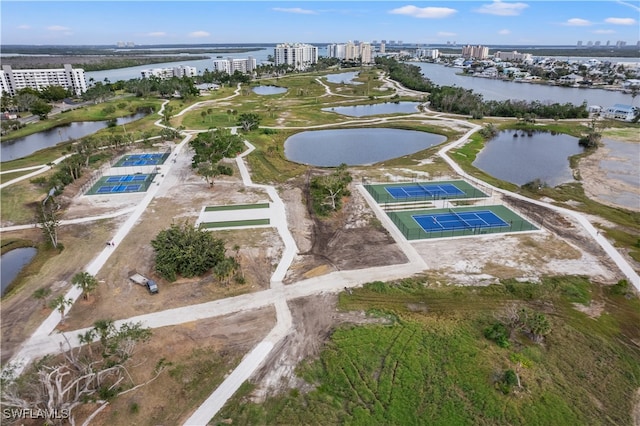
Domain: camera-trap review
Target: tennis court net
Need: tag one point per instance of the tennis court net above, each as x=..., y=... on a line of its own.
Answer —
x=464, y=222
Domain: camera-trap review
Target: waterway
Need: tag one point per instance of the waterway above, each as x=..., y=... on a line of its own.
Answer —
x=499, y=90
x=269, y=90
x=528, y=156
x=11, y=263
x=354, y=147
x=376, y=109
x=23, y=147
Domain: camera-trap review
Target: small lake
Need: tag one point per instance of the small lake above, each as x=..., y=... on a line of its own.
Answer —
x=523, y=158
x=269, y=90
x=356, y=147
x=12, y=262
x=376, y=109
x=23, y=147
x=343, y=78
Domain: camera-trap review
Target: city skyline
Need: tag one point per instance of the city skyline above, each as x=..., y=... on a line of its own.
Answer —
x=463, y=22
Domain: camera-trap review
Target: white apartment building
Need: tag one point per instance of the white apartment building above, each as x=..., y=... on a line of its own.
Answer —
x=166, y=73
x=351, y=52
x=11, y=81
x=513, y=56
x=428, y=53
x=477, y=52
x=299, y=55
x=231, y=65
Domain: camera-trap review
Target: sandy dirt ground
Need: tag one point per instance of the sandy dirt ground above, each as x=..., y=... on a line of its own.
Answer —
x=352, y=239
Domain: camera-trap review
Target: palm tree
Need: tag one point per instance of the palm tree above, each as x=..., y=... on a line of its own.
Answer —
x=86, y=282
x=42, y=294
x=60, y=304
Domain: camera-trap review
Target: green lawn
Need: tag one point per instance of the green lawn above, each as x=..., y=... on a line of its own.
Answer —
x=234, y=223
x=237, y=207
x=431, y=365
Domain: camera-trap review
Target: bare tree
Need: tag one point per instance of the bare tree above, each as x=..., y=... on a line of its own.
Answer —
x=47, y=216
x=77, y=378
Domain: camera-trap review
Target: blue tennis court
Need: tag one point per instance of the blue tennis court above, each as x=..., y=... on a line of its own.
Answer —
x=110, y=189
x=127, y=178
x=463, y=220
x=142, y=160
x=422, y=191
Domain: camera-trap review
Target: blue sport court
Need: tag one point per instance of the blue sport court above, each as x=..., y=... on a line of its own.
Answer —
x=127, y=178
x=109, y=189
x=142, y=160
x=424, y=191
x=463, y=220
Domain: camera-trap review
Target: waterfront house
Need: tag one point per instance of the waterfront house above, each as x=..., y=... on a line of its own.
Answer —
x=621, y=112
x=570, y=79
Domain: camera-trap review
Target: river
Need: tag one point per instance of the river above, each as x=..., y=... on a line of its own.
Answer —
x=499, y=90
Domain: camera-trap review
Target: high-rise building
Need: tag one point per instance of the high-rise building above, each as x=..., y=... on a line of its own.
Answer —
x=11, y=81
x=382, y=47
x=351, y=51
x=366, y=53
x=476, y=52
x=427, y=53
x=299, y=55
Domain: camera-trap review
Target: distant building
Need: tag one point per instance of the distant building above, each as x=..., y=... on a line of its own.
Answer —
x=11, y=81
x=621, y=112
x=382, y=47
x=299, y=55
x=231, y=65
x=427, y=53
x=166, y=73
x=476, y=52
x=351, y=51
x=513, y=56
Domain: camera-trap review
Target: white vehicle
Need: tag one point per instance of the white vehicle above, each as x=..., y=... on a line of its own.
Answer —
x=142, y=280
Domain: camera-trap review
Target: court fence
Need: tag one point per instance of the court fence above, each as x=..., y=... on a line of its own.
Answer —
x=416, y=232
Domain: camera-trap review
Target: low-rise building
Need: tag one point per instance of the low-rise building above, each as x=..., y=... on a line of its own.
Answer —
x=621, y=112
x=166, y=73
x=231, y=65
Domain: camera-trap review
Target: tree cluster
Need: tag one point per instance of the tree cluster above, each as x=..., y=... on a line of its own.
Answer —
x=326, y=192
x=209, y=150
x=187, y=251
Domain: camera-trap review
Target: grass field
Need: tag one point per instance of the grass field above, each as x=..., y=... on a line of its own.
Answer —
x=234, y=223
x=237, y=207
x=432, y=365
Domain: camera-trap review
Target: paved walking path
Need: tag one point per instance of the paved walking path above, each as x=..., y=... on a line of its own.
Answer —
x=42, y=342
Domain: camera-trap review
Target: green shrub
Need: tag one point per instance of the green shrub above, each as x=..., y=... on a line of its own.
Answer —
x=499, y=333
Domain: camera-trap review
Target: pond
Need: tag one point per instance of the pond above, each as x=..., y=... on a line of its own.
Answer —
x=23, y=147
x=355, y=147
x=269, y=90
x=12, y=262
x=343, y=78
x=376, y=109
x=519, y=157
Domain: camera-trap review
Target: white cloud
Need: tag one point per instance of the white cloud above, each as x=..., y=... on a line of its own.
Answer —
x=633, y=6
x=295, y=10
x=604, y=32
x=24, y=27
x=58, y=28
x=504, y=32
x=502, y=9
x=620, y=21
x=199, y=34
x=424, y=12
x=157, y=34
x=577, y=22
x=446, y=34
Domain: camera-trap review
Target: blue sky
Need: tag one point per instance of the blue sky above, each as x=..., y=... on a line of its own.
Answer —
x=532, y=22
